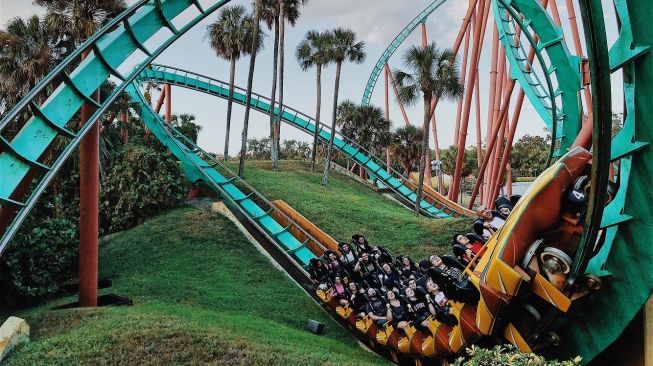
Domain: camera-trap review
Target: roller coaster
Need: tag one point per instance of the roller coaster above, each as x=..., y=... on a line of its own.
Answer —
x=565, y=260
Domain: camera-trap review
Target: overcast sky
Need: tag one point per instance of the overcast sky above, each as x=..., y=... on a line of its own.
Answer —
x=376, y=22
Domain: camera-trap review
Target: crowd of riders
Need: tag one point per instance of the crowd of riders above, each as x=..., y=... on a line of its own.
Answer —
x=398, y=290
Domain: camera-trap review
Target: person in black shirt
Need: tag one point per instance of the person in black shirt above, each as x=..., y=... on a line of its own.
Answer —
x=333, y=264
x=348, y=257
x=376, y=308
x=360, y=244
x=318, y=271
x=397, y=313
x=454, y=273
x=420, y=306
x=407, y=267
x=368, y=267
x=357, y=299
x=390, y=278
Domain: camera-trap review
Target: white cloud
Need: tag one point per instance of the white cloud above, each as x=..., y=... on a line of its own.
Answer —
x=16, y=8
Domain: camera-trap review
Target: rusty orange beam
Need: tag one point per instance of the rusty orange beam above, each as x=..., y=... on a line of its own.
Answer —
x=462, y=80
x=455, y=187
x=387, y=115
x=396, y=92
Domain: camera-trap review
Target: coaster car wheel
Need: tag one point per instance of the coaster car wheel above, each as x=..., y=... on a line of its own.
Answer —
x=555, y=260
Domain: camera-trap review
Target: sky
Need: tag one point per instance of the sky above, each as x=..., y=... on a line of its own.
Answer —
x=375, y=22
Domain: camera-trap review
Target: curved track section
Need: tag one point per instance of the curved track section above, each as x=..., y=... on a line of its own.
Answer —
x=396, y=42
x=556, y=98
x=622, y=261
x=624, y=266
x=21, y=159
x=202, y=166
x=432, y=205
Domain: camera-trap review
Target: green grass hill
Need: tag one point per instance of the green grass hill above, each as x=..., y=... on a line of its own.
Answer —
x=203, y=295
x=346, y=207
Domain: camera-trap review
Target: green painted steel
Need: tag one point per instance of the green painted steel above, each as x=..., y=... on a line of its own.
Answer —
x=200, y=165
x=392, y=47
x=303, y=122
x=561, y=64
x=625, y=259
x=111, y=46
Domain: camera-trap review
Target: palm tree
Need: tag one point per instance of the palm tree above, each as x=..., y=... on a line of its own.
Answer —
x=313, y=50
x=230, y=36
x=288, y=12
x=255, y=47
x=26, y=56
x=185, y=124
x=270, y=15
x=77, y=20
x=364, y=124
x=343, y=47
x=434, y=73
x=405, y=146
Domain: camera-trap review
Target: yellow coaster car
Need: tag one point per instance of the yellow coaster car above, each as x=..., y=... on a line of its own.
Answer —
x=531, y=254
x=522, y=274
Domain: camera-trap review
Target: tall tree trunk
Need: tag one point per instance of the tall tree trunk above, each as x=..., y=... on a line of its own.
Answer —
x=250, y=81
x=230, y=102
x=282, y=36
x=274, y=149
x=425, y=145
x=317, y=115
x=124, y=135
x=327, y=162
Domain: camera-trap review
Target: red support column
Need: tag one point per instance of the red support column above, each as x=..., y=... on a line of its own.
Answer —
x=462, y=80
x=124, y=135
x=437, y=149
x=387, y=114
x=498, y=152
x=479, y=150
x=459, y=38
x=168, y=96
x=495, y=115
x=455, y=187
x=493, y=139
x=396, y=92
x=89, y=183
x=427, y=169
x=159, y=102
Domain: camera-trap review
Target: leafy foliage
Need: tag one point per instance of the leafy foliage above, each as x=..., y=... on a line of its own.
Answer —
x=430, y=73
x=366, y=125
x=141, y=183
x=290, y=149
x=185, y=123
x=343, y=47
x=448, y=157
x=529, y=155
x=507, y=356
x=41, y=255
x=405, y=145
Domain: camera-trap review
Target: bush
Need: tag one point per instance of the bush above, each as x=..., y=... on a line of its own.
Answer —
x=507, y=356
x=41, y=255
x=143, y=180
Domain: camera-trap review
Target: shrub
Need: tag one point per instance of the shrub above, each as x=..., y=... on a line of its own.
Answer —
x=143, y=180
x=41, y=255
x=507, y=356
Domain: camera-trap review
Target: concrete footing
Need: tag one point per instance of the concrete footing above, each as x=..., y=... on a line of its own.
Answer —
x=14, y=332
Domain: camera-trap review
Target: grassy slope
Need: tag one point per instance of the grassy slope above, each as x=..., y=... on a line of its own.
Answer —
x=346, y=207
x=203, y=295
